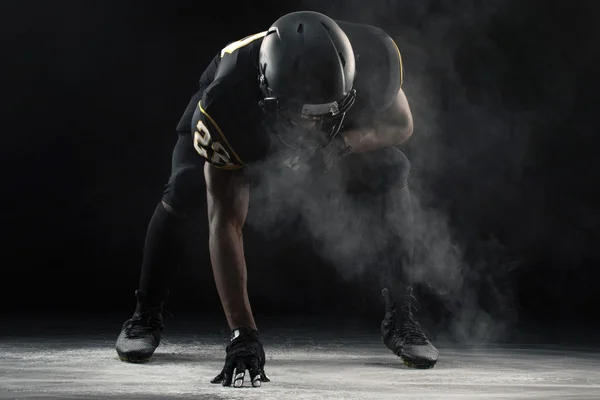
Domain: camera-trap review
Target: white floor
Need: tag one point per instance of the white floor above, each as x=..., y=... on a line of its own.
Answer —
x=301, y=365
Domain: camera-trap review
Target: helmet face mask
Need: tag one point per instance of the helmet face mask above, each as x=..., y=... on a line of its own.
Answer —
x=302, y=130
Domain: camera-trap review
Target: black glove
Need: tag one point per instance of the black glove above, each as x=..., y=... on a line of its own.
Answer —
x=244, y=352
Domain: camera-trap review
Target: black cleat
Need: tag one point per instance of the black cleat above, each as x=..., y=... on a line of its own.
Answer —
x=140, y=335
x=403, y=335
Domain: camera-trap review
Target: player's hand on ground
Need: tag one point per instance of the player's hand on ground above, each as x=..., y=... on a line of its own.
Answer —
x=244, y=352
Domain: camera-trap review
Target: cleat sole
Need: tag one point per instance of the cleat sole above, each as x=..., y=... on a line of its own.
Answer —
x=134, y=360
x=423, y=365
x=418, y=366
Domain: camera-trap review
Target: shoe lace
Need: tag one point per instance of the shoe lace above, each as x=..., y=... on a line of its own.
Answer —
x=145, y=323
x=410, y=330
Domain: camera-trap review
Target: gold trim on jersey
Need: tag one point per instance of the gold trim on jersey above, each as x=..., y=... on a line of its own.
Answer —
x=231, y=47
x=212, y=121
x=228, y=167
x=401, y=66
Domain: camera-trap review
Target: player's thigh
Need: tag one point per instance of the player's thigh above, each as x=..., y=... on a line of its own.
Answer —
x=185, y=191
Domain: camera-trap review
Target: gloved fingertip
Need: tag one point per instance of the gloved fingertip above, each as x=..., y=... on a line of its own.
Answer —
x=264, y=377
x=238, y=381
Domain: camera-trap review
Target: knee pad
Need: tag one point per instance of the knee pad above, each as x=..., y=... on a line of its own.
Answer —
x=186, y=190
x=378, y=170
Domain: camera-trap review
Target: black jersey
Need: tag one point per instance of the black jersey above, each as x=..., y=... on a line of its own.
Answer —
x=226, y=121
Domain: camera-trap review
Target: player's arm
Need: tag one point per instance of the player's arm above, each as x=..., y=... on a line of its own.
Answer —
x=228, y=195
x=391, y=127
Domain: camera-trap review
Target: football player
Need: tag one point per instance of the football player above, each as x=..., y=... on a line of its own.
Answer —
x=328, y=92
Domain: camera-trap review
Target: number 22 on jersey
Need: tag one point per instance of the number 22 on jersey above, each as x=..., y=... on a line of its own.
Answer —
x=213, y=151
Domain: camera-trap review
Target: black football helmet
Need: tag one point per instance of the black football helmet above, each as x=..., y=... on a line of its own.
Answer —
x=307, y=70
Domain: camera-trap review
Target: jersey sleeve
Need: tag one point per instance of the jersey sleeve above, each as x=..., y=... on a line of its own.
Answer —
x=399, y=63
x=226, y=131
x=380, y=73
x=210, y=141
x=226, y=121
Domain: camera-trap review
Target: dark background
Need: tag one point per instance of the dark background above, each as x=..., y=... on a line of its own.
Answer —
x=504, y=154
